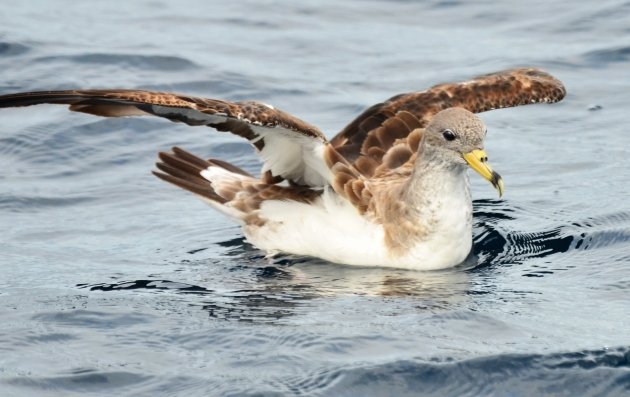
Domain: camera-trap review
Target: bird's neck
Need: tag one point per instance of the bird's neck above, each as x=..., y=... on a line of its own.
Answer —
x=435, y=180
x=433, y=201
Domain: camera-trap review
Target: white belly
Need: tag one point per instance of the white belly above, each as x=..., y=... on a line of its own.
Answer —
x=333, y=229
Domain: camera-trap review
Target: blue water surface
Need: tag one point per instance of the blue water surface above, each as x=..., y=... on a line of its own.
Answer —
x=113, y=283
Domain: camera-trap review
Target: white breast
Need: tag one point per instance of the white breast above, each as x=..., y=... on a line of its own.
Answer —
x=450, y=241
x=334, y=230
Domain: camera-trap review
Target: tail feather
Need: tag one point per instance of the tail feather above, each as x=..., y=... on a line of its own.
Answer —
x=225, y=186
x=229, y=167
x=190, y=158
x=204, y=191
x=184, y=169
x=184, y=165
x=177, y=173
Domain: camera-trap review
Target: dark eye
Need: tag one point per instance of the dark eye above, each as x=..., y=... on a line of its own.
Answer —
x=449, y=135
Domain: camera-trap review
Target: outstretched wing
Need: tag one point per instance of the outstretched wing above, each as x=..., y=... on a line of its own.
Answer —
x=381, y=144
x=503, y=89
x=290, y=148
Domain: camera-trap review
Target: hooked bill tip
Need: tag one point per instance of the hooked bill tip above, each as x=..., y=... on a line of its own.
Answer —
x=497, y=182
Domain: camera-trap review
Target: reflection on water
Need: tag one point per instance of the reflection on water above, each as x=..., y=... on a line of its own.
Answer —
x=279, y=290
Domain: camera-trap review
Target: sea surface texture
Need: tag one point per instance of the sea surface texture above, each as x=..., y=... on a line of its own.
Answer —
x=114, y=283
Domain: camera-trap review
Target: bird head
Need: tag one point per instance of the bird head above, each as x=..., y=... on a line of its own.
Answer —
x=458, y=135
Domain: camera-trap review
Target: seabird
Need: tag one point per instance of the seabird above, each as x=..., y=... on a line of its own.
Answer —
x=391, y=189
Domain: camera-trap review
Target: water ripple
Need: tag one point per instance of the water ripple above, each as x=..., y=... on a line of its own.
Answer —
x=495, y=245
x=32, y=204
x=605, y=56
x=587, y=373
x=12, y=49
x=144, y=62
x=151, y=285
x=91, y=319
x=85, y=381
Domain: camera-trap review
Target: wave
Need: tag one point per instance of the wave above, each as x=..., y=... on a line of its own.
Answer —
x=150, y=62
x=583, y=373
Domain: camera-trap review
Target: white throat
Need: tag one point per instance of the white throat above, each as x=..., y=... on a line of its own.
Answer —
x=439, y=187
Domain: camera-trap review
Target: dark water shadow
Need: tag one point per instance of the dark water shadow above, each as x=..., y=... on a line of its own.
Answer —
x=497, y=245
x=82, y=381
x=148, y=285
x=143, y=62
x=8, y=49
x=583, y=373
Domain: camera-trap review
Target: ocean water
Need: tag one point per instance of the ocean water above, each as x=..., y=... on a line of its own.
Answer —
x=113, y=283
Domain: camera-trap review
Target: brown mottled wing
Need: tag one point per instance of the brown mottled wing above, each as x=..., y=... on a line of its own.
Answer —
x=388, y=151
x=492, y=91
x=284, y=142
